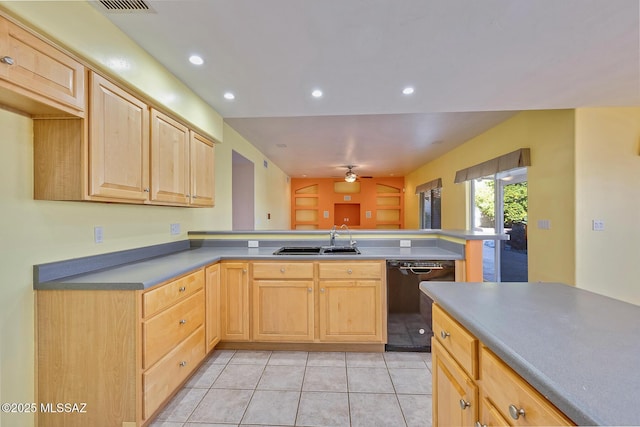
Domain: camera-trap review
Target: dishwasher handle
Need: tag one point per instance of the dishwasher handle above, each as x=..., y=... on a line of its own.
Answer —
x=421, y=270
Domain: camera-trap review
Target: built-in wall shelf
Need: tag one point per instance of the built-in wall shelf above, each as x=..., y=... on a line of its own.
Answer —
x=368, y=203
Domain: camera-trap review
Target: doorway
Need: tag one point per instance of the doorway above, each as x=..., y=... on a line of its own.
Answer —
x=242, y=192
x=500, y=204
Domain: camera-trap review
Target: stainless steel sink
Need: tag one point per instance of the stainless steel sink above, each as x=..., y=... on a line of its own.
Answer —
x=298, y=250
x=340, y=250
x=317, y=250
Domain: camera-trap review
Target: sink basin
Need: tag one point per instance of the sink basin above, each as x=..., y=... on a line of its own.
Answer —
x=298, y=250
x=317, y=250
x=340, y=250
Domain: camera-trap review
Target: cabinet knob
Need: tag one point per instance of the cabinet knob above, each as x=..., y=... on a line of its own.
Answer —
x=146, y=190
x=7, y=60
x=444, y=334
x=183, y=363
x=349, y=271
x=282, y=270
x=182, y=289
x=464, y=404
x=310, y=290
x=195, y=196
x=322, y=290
x=183, y=321
x=515, y=412
x=479, y=424
x=244, y=270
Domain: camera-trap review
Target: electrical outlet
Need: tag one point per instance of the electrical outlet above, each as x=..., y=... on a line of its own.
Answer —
x=405, y=243
x=597, y=225
x=98, y=235
x=252, y=244
x=175, y=229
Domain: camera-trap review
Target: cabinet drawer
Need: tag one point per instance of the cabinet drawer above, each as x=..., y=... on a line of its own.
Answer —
x=504, y=388
x=350, y=270
x=162, y=332
x=457, y=340
x=167, y=295
x=161, y=380
x=283, y=270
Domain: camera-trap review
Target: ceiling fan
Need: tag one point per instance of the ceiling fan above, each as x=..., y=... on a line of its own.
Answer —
x=350, y=176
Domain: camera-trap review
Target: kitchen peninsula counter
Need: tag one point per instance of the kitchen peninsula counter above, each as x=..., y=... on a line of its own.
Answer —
x=577, y=348
x=142, y=268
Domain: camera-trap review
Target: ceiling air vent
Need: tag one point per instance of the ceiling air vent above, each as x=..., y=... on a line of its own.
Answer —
x=125, y=6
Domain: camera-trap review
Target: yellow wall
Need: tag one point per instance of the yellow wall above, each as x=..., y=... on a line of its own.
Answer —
x=608, y=189
x=550, y=136
x=36, y=232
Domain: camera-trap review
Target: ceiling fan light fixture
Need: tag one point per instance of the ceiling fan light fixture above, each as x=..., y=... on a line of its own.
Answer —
x=350, y=176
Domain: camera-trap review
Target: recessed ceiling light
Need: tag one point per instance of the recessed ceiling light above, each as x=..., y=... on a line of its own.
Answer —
x=408, y=90
x=196, y=60
x=317, y=93
x=229, y=96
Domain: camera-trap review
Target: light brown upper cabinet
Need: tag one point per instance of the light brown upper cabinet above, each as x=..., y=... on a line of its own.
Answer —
x=118, y=143
x=124, y=152
x=202, y=171
x=169, y=160
x=37, y=78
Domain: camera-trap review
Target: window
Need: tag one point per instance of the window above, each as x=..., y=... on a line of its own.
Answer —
x=430, y=209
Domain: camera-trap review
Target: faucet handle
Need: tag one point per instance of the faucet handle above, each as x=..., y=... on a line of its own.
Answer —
x=353, y=242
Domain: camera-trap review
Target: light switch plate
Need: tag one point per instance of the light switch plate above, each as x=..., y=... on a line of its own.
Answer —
x=98, y=234
x=597, y=225
x=405, y=243
x=252, y=243
x=544, y=224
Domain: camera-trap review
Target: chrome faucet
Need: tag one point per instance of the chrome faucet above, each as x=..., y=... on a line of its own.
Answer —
x=352, y=242
x=332, y=236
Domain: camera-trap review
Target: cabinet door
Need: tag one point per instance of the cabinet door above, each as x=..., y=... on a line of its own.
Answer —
x=235, y=301
x=37, y=68
x=169, y=160
x=490, y=416
x=455, y=395
x=202, y=171
x=351, y=311
x=118, y=143
x=283, y=310
x=212, y=314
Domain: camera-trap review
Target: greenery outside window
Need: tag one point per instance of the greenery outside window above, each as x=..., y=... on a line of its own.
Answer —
x=431, y=208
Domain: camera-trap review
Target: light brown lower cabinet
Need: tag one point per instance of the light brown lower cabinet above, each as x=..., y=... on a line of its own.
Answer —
x=474, y=387
x=234, y=308
x=122, y=353
x=212, y=306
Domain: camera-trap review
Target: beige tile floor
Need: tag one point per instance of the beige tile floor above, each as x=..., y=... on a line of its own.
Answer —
x=284, y=388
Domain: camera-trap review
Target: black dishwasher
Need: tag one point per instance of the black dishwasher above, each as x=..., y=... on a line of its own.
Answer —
x=409, y=309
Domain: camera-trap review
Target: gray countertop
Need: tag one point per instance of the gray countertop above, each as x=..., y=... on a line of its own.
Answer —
x=146, y=273
x=460, y=234
x=579, y=349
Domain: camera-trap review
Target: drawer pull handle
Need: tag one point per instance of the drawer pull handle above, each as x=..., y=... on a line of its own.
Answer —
x=7, y=60
x=282, y=270
x=183, y=363
x=183, y=321
x=464, y=404
x=479, y=424
x=444, y=335
x=182, y=289
x=349, y=271
x=515, y=412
